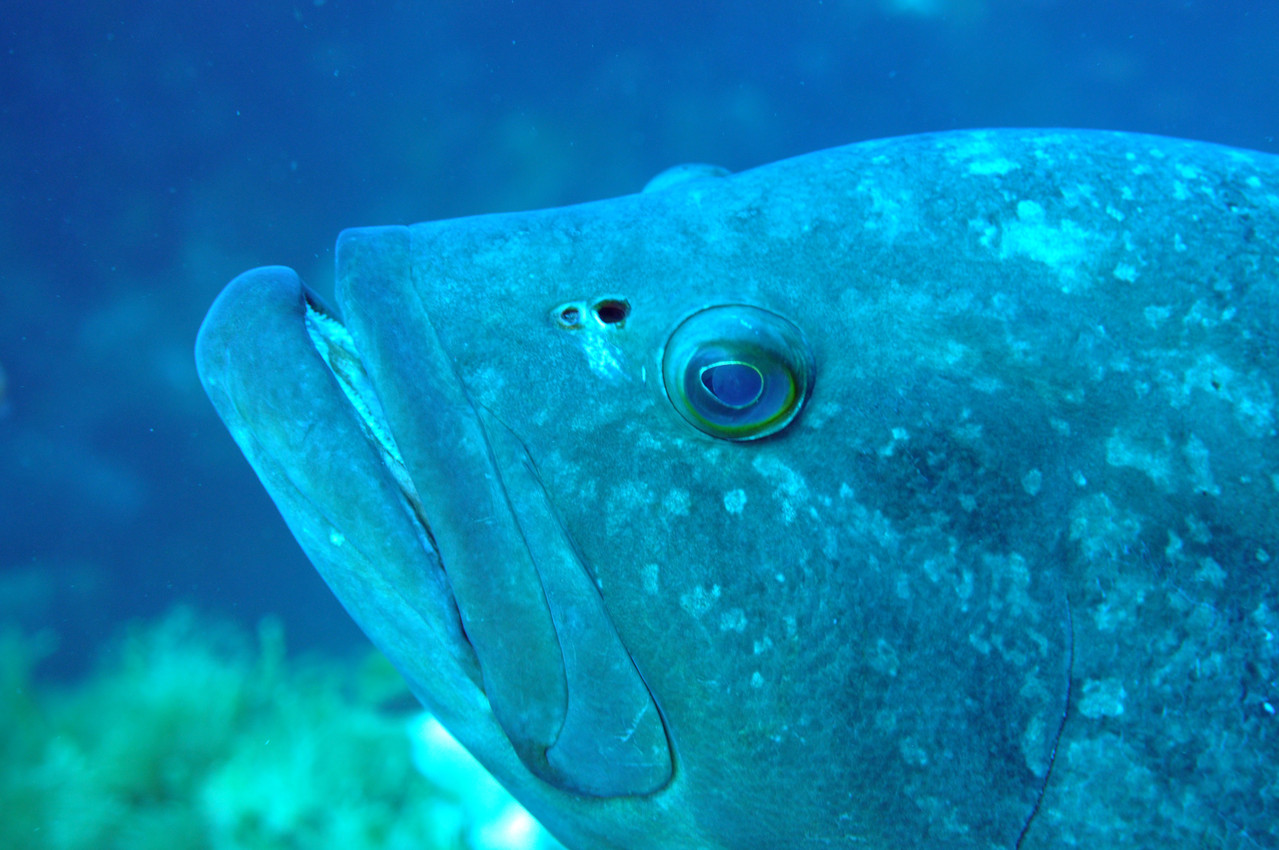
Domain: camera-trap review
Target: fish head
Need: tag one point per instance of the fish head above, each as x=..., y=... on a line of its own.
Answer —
x=677, y=509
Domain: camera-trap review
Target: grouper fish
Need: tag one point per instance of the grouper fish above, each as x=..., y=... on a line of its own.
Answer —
x=918, y=493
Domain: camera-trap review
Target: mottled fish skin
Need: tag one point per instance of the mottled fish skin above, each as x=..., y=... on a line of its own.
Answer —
x=1006, y=580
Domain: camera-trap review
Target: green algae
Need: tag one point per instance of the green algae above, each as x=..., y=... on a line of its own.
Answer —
x=192, y=734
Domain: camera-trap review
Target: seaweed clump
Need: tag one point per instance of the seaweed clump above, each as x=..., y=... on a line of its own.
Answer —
x=193, y=735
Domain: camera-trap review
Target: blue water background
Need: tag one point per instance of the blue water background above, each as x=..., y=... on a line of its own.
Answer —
x=150, y=151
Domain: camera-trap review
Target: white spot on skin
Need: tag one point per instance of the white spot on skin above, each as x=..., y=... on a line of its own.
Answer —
x=987, y=232
x=1101, y=529
x=830, y=541
x=699, y=600
x=1155, y=463
x=1210, y=572
x=1252, y=397
x=953, y=352
x=987, y=384
x=734, y=501
x=899, y=435
x=1200, y=470
x=819, y=414
x=624, y=501
x=790, y=489
x=992, y=166
x=884, y=659
x=492, y=384
x=1156, y=316
x=1125, y=272
x=1080, y=195
x=677, y=502
x=1199, y=530
x=1032, y=747
x=912, y=753
x=757, y=681
x=1032, y=481
x=1102, y=698
x=649, y=575
x=1063, y=248
x=336, y=537
x=890, y=212
x=732, y=620
x=603, y=357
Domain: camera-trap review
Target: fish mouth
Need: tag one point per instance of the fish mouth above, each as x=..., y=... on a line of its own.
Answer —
x=559, y=680
x=336, y=348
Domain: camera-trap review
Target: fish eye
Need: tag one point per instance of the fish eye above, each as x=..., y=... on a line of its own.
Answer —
x=737, y=372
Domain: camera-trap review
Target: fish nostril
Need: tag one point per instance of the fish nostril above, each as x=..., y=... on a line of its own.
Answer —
x=570, y=316
x=611, y=311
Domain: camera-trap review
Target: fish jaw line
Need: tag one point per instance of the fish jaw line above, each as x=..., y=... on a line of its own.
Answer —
x=559, y=681
x=641, y=746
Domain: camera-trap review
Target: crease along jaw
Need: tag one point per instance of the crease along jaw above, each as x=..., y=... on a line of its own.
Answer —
x=614, y=740
x=558, y=679
x=425, y=436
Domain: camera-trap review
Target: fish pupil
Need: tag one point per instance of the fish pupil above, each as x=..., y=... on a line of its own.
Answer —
x=733, y=383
